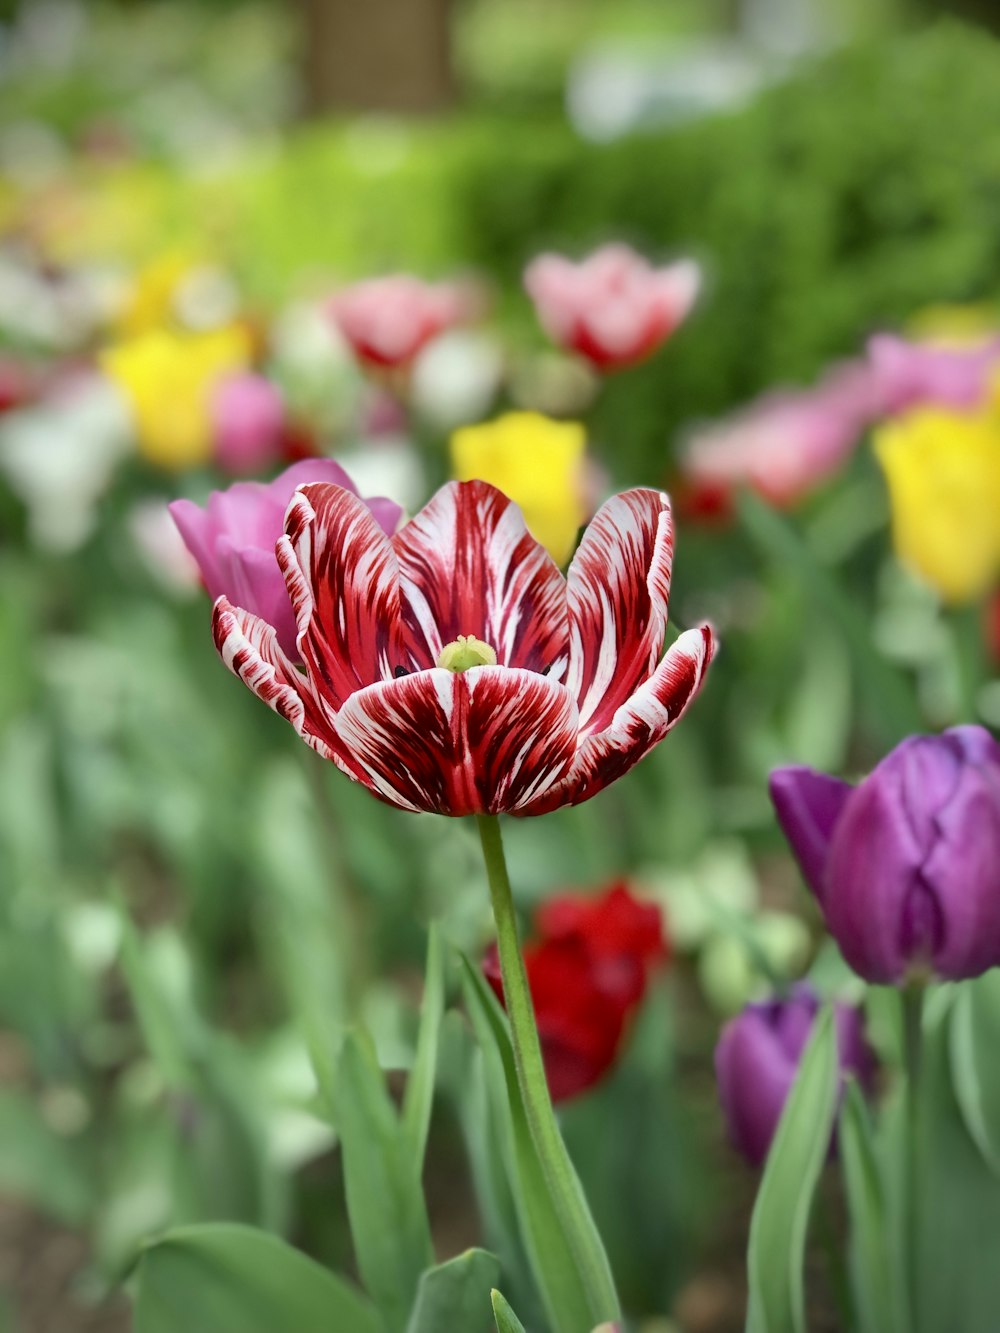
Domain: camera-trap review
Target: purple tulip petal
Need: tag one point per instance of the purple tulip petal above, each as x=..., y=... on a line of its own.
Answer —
x=875, y=855
x=808, y=805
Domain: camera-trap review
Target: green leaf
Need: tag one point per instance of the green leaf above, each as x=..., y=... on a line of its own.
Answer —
x=959, y=1200
x=974, y=1039
x=873, y=1263
x=781, y=1213
x=385, y=1201
x=456, y=1295
x=233, y=1279
x=551, y=1260
x=507, y=1320
x=419, y=1097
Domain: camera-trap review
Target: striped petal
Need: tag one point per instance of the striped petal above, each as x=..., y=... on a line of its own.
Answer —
x=639, y=724
x=474, y=742
x=619, y=586
x=468, y=565
x=343, y=581
x=249, y=647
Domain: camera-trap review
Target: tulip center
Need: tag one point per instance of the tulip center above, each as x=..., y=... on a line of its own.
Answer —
x=467, y=651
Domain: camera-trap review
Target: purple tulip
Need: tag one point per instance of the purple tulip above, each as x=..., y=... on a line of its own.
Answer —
x=905, y=866
x=248, y=416
x=912, y=373
x=758, y=1056
x=234, y=536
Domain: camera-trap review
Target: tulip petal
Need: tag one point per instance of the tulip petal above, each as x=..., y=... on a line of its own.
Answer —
x=249, y=647
x=754, y=1076
x=468, y=565
x=963, y=872
x=808, y=805
x=877, y=901
x=343, y=581
x=475, y=742
x=638, y=725
x=618, y=587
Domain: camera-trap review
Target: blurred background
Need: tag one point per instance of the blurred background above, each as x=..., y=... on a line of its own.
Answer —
x=177, y=874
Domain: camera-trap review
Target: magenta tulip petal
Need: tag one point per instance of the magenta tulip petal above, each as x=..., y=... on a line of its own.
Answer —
x=474, y=742
x=808, y=805
x=468, y=565
x=618, y=590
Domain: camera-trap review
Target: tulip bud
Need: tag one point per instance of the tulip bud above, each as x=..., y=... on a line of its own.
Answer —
x=758, y=1056
x=905, y=866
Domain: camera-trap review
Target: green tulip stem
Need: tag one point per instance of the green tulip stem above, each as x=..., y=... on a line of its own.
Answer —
x=564, y=1187
x=912, y=1000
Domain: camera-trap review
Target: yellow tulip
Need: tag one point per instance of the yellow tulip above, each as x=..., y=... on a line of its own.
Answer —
x=150, y=302
x=539, y=463
x=168, y=380
x=943, y=473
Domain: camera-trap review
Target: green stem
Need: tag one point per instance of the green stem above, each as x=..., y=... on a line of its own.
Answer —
x=564, y=1187
x=912, y=1000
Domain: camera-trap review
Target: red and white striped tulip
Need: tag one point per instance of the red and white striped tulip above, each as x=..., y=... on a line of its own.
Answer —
x=452, y=668
x=614, y=308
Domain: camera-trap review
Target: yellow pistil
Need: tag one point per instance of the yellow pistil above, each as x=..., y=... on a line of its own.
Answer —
x=467, y=651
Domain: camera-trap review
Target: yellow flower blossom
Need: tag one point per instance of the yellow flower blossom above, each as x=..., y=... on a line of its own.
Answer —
x=943, y=473
x=150, y=302
x=539, y=463
x=168, y=380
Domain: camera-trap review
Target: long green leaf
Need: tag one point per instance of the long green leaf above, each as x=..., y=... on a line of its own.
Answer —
x=419, y=1097
x=551, y=1260
x=507, y=1320
x=456, y=1295
x=385, y=1202
x=973, y=1042
x=873, y=1264
x=223, y=1278
x=781, y=1214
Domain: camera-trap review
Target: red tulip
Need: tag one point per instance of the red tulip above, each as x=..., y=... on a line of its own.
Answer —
x=587, y=972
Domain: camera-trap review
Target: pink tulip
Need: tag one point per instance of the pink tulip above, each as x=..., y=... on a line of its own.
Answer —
x=248, y=419
x=788, y=442
x=452, y=668
x=233, y=539
x=614, y=308
x=911, y=373
x=389, y=320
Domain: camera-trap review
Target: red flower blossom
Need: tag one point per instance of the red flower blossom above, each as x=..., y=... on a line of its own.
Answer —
x=587, y=972
x=452, y=667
